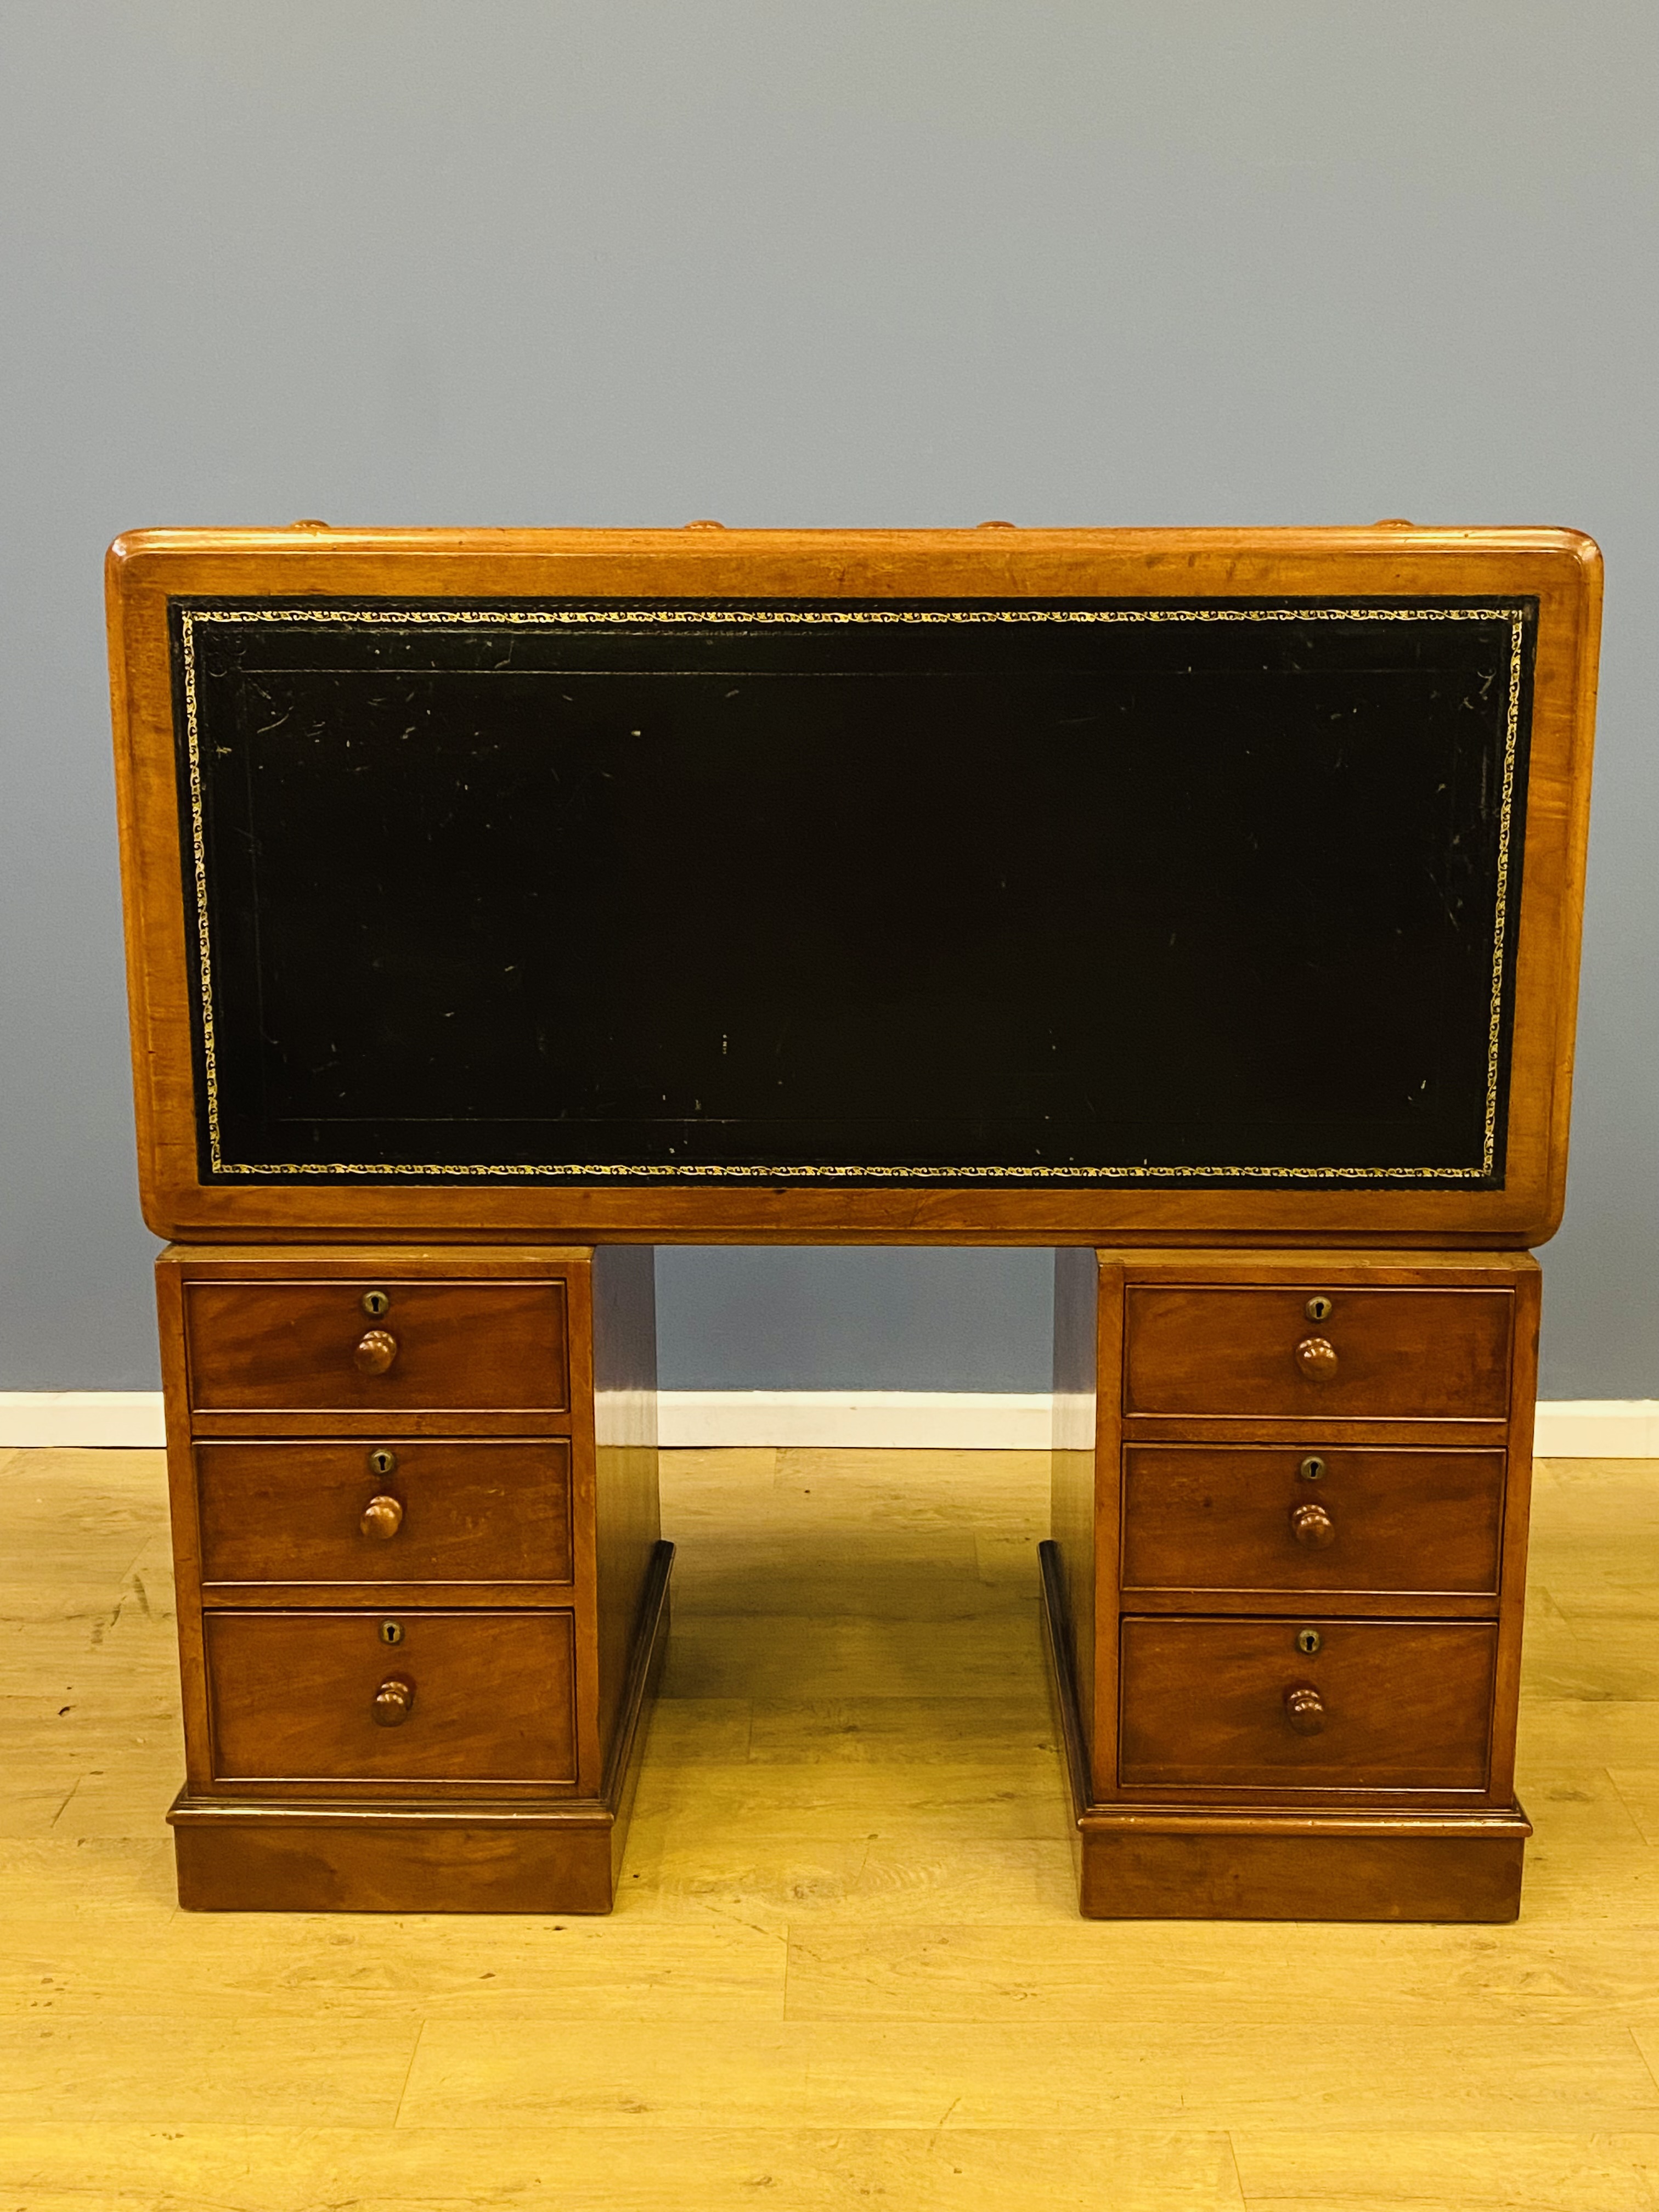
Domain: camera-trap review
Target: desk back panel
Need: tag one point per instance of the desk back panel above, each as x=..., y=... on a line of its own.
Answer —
x=1017, y=885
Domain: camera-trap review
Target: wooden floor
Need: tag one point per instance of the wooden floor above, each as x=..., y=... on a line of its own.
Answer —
x=847, y=1967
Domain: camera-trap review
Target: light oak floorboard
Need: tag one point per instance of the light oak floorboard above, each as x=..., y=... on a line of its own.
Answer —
x=796, y=1655
x=381, y=1968
x=712, y=2168
x=863, y=1803
x=1316, y=2170
x=1154, y=1974
x=785, y=1881
x=926, y=2074
x=180, y=2065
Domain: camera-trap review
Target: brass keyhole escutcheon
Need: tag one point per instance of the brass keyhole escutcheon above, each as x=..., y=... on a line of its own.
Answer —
x=1308, y=1640
x=1317, y=1308
x=374, y=1303
x=1310, y=1469
x=382, y=1461
x=392, y=1631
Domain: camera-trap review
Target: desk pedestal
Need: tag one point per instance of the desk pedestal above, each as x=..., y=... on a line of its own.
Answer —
x=423, y=1592
x=1283, y=1594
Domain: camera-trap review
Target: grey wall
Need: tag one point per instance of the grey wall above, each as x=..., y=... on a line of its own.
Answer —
x=876, y=261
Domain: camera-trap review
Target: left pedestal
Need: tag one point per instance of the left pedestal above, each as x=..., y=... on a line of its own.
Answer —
x=423, y=1592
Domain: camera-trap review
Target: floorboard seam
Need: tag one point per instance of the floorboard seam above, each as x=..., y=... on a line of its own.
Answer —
x=1238, y=2175
x=415, y=2049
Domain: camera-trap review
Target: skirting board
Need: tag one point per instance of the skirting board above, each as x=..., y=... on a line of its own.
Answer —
x=915, y=1420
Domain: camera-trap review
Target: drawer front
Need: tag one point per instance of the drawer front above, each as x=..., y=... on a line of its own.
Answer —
x=1386, y=1704
x=489, y=1697
x=1204, y=1517
x=403, y=1513
x=331, y=1347
x=1375, y=1354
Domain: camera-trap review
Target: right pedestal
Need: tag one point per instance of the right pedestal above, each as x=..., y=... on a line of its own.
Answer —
x=1284, y=1593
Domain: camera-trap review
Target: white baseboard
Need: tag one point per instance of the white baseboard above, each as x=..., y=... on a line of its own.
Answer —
x=1597, y=1428
x=938, y=1420
x=130, y=1419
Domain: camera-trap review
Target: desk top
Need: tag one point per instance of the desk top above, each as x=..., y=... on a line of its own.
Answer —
x=949, y=886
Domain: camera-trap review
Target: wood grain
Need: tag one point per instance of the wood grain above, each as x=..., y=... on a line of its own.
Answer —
x=1132, y=1873
x=80, y=2068
x=627, y=1517
x=1163, y=1973
x=1073, y=1489
x=588, y=2169
x=1394, y=1354
x=293, y=1697
x=914, y=2075
x=245, y=1863
x=1360, y=2170
x=274, y=1346
x=481, y=1511
x=1217, y=1519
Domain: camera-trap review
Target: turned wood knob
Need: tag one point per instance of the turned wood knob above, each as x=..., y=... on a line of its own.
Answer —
x=1310, y=1524
x=384, y=1516
x=376, y=1349
x=392, y=1701
x=1304, y=1709
x=1316, y=1356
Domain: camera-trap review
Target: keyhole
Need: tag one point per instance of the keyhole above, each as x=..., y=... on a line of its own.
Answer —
x=1317, y=1308
x=385, y=1462
x=1308, y=1640
x=1311, y=1469
x=374, y=1303
x=392, y=1631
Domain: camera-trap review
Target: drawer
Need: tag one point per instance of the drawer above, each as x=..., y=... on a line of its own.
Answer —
x=1386, y=1704
x=334, y=1347
x=489, y=1697
x=396, y=1512
x=1369, y=1354
x=1209, y=1517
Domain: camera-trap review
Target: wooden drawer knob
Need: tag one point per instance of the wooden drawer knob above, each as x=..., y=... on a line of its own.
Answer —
x=392, y=1701
x=1316, y=1356
x=376, y=1349
x=384, y=1516
x=1310, y=1524
x=1304, y=1709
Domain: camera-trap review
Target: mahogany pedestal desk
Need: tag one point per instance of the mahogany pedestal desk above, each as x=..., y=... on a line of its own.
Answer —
x=1203, y=904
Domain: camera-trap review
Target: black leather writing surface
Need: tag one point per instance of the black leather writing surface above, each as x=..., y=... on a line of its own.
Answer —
x=992, y=892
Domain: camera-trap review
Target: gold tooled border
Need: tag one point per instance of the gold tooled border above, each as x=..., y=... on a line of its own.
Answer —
x=532, y=617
